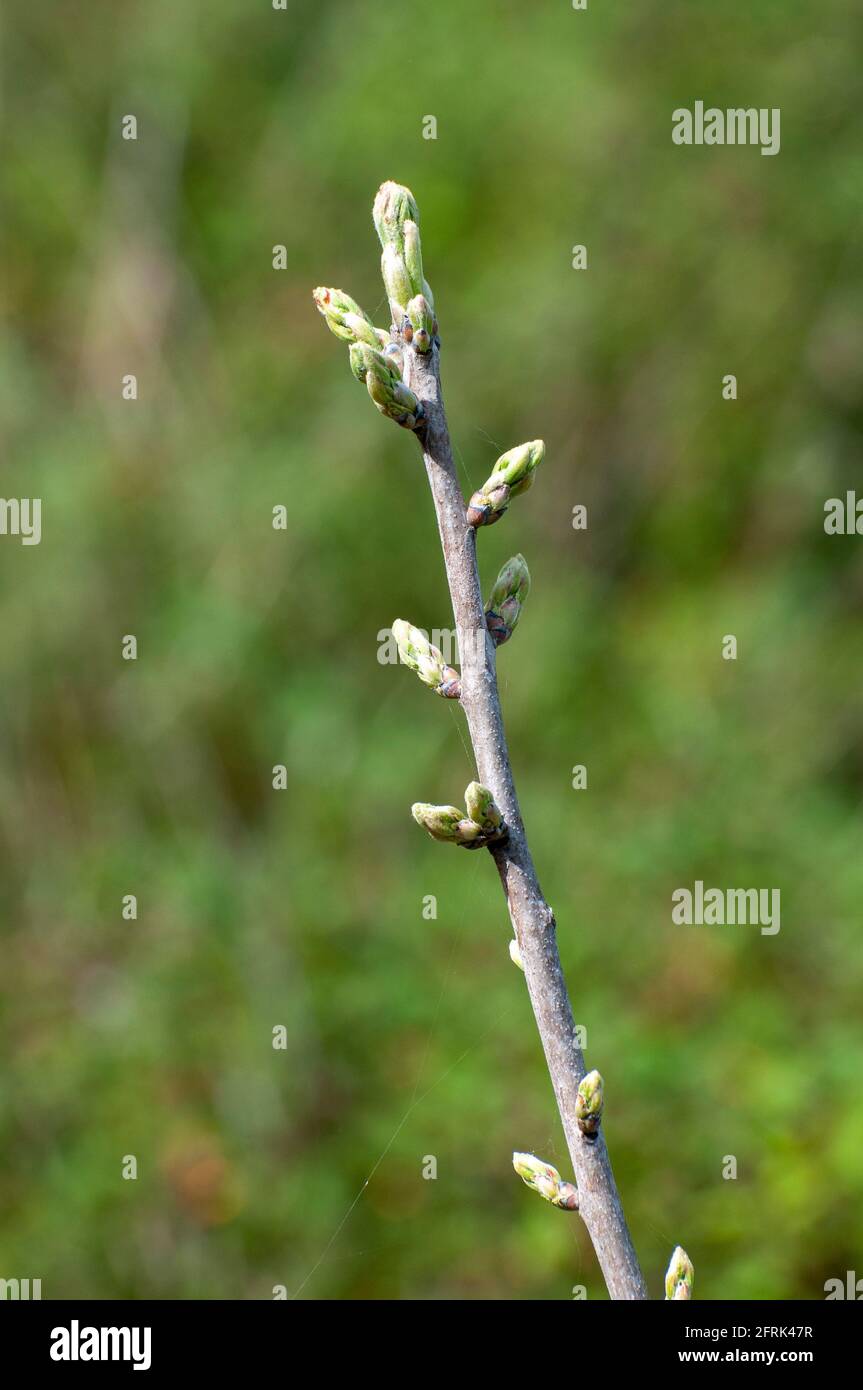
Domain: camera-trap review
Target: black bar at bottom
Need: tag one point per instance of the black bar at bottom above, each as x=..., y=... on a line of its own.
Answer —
x=409, y=1338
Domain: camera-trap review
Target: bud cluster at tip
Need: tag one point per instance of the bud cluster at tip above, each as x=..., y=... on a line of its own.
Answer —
x=417, y=652
x=396, y=218
x=546, y=1180
x=588, y=1104
x=679, y=1276
x=482, y=824
x=503, y=609
x=512, y=474
x=381, y=374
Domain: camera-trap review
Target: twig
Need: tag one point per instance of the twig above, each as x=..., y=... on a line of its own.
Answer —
x=532, y=918
x=400, y=368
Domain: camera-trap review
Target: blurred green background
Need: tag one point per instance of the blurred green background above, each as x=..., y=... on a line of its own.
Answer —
x=257, y=908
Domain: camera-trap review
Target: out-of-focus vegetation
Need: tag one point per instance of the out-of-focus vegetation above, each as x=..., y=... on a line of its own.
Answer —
x=409, y=1037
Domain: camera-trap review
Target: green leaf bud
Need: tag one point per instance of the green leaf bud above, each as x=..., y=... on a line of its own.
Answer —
x=394, y=205
x=679, y=1276
x=503, y=609
x=545, y=1180
x=419, y=324
x=396, y=283
x=417, y=652
x=588, y=1105
x=513, y=473
x=344, y=317
x=413, y=256
x=482, y=807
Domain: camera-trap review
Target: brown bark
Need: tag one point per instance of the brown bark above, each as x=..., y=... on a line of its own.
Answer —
x=532, y=918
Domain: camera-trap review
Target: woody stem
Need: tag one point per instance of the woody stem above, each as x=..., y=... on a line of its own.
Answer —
x=532, y=919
